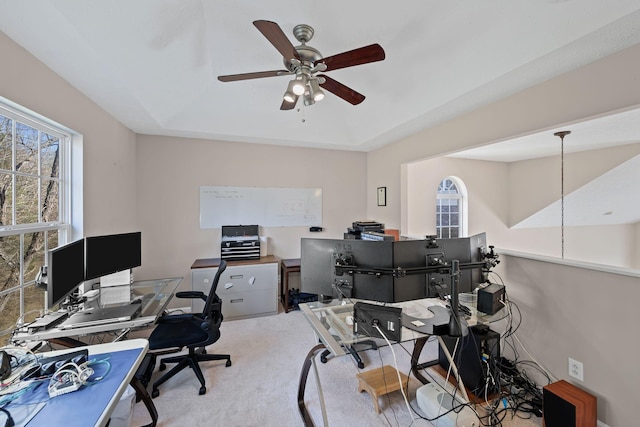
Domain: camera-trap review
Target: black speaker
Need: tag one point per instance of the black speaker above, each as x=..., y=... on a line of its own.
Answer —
x=565, y=405
x=490, y=298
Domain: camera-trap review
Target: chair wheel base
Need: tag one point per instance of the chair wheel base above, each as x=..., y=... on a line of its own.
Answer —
x=162, y=367
x=202, y=390
x=228, y=363
x=155, y=393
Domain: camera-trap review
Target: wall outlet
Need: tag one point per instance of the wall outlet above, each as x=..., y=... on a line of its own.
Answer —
x=576, y=369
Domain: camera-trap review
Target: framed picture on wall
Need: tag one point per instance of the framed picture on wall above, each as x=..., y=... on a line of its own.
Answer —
x=382, y=196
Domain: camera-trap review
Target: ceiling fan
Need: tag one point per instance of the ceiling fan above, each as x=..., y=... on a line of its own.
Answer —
x=305, y=62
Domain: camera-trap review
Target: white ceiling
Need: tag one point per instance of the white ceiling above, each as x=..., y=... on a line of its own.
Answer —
x=153, y=64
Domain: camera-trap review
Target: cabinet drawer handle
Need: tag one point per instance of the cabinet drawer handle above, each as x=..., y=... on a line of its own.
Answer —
x=236, y=300
x=237, y=276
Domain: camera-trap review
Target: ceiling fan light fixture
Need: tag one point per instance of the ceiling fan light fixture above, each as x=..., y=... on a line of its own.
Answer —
x=290, y=95
x=299, y=85
x=315, y=91
x=304, y=61
x=308, y=99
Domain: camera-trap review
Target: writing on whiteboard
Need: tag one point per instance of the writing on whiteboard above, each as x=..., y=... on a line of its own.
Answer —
x=269, y=207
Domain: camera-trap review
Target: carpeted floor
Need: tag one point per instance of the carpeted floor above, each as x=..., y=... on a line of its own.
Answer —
x=261, y=386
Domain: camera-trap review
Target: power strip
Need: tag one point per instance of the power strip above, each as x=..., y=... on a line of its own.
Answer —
x=63, y=388
x=69, y=377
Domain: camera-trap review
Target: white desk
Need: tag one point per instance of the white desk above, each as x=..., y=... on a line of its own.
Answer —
x=90, y=405
x=162, y=291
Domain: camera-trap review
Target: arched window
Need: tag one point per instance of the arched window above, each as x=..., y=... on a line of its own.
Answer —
x=451, y=208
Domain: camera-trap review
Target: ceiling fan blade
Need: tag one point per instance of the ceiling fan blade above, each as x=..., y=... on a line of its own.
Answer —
x=278, y=39
x=286, y=105
x=257, y=75
x=344, y=92
x=363, y=55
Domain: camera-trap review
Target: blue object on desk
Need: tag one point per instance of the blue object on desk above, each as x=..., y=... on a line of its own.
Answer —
x=83, y=407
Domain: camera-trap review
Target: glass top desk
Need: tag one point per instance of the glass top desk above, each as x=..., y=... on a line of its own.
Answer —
x=329, y=322
x=154, y=294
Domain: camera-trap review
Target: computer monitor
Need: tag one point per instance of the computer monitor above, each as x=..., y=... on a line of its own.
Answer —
x=390, y=271
x=65, y=271
x=318, y=273
x=112, y=253
x=465, y=250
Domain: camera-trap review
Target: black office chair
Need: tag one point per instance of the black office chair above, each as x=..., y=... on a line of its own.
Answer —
x=194, y=331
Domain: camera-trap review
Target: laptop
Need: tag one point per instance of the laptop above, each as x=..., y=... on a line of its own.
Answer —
x=100, y=316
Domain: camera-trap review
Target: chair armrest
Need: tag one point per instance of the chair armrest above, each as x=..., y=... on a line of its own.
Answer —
x=176, y=318
x=191, y=294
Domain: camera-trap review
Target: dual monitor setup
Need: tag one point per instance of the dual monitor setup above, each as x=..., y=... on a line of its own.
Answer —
x=70, y=265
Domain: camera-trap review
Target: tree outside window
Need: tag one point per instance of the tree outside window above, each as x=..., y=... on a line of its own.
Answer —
x=32, y=176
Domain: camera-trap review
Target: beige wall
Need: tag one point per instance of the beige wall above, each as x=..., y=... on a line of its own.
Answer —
x=532, y=191
x=574, y=324
x=153, y=185
x=635, y=251
x=486, y=187
x=137, y=182
x=171, y=170
x=108, y=148
x=595, y=89
x=499, y=192
x=587, y=315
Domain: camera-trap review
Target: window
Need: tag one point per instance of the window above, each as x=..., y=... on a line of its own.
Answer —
x=34, y=211
x=451, y=211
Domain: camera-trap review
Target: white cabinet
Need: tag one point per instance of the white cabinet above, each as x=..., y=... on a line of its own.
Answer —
x=246, y=288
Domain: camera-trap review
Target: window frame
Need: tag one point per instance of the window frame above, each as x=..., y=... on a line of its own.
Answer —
x=461, y=196
x=63, y=224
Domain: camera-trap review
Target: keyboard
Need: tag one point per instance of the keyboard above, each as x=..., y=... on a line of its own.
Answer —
x=48, y=321
x=62, y=357
x=101, y=316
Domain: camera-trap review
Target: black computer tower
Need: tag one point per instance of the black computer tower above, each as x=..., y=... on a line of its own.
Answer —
x=476, y=359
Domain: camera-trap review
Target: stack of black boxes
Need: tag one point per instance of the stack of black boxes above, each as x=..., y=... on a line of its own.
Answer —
x=240, y=242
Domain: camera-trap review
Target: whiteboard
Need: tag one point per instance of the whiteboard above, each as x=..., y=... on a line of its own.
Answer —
x=268, y=207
